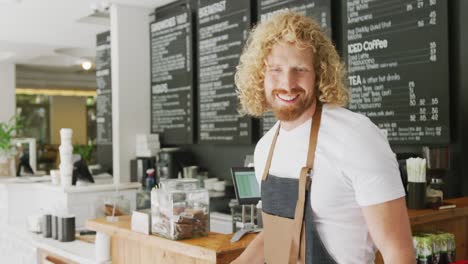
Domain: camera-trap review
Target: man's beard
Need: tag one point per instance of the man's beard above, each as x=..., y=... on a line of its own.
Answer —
x=294, y=111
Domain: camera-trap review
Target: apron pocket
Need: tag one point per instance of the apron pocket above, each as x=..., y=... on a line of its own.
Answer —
x=277, y=231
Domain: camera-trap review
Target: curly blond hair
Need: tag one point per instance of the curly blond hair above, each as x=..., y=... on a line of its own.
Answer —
x=305, y=33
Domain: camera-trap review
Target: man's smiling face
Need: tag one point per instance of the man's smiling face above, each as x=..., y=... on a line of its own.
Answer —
x=289, y=80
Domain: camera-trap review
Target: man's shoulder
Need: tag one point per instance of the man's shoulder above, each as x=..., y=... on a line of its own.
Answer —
x=345, y=118
x=357, y=132
x=265, y=140
x=268, y=136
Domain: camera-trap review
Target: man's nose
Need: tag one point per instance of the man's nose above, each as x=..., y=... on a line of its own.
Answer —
x=289, y=80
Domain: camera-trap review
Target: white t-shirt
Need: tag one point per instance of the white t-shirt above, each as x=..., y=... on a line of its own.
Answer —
x=354, y=167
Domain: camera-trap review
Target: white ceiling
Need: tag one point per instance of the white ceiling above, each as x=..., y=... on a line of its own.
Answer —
x=31, y=30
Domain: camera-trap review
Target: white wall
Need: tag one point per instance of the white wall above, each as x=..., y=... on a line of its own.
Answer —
x=7, y=91
x=130, y=56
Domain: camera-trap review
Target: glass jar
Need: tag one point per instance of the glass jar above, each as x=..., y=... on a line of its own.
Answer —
x=437, y=184
x=112, y=207
x=180, y=209
x=434, y=193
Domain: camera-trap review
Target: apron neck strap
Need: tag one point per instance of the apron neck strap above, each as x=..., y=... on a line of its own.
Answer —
x=312, y=142
x=297, y=241
x=313, y=136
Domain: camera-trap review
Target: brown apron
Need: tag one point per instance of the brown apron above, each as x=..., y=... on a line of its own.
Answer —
x=289, y=237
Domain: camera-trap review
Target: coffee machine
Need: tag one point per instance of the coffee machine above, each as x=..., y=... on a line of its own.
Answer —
x=172, y=161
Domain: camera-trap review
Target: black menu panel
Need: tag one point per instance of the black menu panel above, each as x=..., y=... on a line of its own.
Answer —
x=172, y=81
x=320, y=10
x=104, y=90
x=103, y=101
x=222, y=30
x=397, y=59
x=317, y=9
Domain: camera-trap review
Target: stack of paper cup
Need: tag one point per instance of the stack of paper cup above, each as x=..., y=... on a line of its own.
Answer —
x=55, y=176
x=102, y=247
x=66, y=155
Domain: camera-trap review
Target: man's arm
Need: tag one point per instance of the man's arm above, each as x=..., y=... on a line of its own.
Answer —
x=253, y=254
x=389, y=227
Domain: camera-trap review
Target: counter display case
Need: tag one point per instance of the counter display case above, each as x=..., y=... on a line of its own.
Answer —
x=180, y=209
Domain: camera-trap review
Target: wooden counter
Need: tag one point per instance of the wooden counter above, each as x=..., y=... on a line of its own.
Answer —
x=131, y=247
x=454, y=220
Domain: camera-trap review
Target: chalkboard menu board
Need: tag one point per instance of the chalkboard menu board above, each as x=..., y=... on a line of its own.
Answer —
x=172, y=81
x=320, y=10
x=103, y=101
x=104, y=89
x=222, y=30
x=397, y=59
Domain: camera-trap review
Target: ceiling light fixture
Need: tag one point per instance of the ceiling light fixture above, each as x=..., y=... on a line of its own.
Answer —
x=99, y=13
x=86, y=65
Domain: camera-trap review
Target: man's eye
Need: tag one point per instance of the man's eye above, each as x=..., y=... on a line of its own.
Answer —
x=274, y=69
